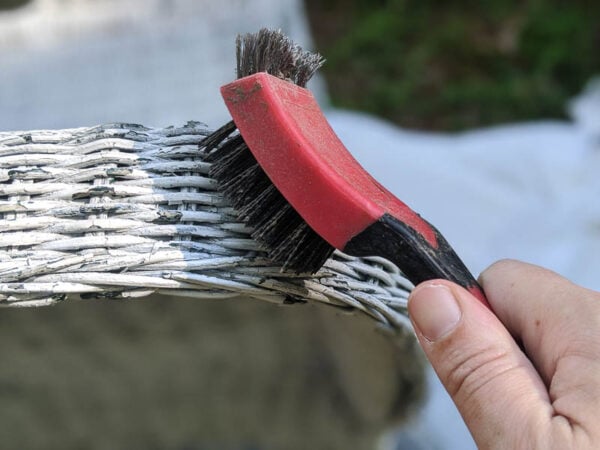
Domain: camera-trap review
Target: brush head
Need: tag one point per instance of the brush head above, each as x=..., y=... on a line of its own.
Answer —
x=288, y=239
x=316, y=196
x=272, y=52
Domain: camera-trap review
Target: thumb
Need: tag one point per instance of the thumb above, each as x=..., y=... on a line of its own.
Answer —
x=494, y=386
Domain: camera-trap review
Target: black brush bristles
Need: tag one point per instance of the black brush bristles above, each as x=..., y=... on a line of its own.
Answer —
x=272, y=52
x=287, y=238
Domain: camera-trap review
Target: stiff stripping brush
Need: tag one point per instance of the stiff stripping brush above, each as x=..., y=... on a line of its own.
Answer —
x=291, y=179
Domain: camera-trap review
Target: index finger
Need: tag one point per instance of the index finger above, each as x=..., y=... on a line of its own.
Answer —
x=549, y=315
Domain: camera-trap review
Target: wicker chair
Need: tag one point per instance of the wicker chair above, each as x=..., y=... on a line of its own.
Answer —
x=121, y=211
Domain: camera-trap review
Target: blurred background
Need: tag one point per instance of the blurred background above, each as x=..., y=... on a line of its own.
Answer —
x=485, y=119
x=456, y=65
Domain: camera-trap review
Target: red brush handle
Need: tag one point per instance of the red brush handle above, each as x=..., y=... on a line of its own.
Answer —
x=292, y=141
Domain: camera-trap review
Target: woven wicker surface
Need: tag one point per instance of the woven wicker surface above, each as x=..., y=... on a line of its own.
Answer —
x=120, y=211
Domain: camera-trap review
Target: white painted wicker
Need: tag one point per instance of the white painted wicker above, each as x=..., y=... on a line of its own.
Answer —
x=120, y=211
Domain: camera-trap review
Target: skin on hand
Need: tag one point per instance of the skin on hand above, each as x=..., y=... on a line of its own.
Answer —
x=527, y=377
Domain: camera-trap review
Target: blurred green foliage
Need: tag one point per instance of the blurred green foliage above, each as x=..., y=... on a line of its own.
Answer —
x=456, y=64
x=11, y=4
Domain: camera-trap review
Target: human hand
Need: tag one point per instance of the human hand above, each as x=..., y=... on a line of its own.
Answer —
x=527, y=377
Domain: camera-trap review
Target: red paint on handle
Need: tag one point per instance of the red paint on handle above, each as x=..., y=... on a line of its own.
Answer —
x=289, y=136
x=478, y=293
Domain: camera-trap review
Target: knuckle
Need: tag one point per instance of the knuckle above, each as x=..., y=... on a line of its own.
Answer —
x=470, y=370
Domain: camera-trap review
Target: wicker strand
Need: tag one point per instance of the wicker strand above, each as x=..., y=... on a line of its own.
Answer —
x=122, y=211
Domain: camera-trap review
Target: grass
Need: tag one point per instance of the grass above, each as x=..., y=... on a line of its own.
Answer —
x=457, y=64
x=12, y=4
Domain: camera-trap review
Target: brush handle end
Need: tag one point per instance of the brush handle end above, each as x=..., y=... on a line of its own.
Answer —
x=414, y=255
